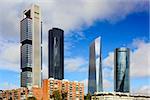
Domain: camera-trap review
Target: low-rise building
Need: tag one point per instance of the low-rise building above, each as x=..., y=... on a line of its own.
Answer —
x=118, y=96
x=21, y=94
x=14, y=94
x=68, y=90
x=37, y=93
x=74, y=90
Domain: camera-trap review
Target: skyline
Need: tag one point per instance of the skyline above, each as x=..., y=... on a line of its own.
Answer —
x=132, y=22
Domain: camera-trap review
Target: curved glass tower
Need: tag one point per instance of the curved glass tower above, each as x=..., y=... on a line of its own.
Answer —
x=95, y=70
x=121, y=70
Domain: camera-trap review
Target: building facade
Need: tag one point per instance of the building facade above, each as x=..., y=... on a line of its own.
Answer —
x=30, y=30
x=21, y=94
x=56, y=53
x=121, y=70
x=15, y=94
x=74, y=90
x=95, y=71
x=118, y=96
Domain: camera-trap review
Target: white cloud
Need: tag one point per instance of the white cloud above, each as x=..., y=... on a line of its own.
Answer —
x=11, y=13
x=109, y=60
x=107, y=84
x=7, y=86
x=9, y=56
x=10, y=59
x=143, y=90
x=66, y=14
x=136, y=43
x=140, y=65
x=75, y=64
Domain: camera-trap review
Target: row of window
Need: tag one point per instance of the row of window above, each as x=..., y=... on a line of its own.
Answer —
x=26, y=29
x=26, y=55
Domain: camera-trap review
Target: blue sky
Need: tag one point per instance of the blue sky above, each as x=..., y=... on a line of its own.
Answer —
x=118, y=23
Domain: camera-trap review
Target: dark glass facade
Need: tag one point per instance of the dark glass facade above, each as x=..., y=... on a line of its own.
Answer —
x=56, y=53
x=92, y=70
x=121, y=70
x=95, y=71
x=26, y=52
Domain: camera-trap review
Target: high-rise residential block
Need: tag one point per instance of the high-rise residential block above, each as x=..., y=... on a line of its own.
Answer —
x=95, y=83
x=30, y=30
x=121, y=70
x=56, y=53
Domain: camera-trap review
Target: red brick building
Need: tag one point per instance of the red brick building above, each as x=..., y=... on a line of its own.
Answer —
x=15, y=94
x=74, y=90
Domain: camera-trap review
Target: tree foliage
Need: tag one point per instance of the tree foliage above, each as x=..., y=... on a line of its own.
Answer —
x=57, y=95
x=64, y=95
x=87, y=97
x=31, y=98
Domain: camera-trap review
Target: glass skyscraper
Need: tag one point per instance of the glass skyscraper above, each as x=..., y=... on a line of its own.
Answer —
x=56, y=53
x=30, y=30
x=121, y=70
x=95, y=83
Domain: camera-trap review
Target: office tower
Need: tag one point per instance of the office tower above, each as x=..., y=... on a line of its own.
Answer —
x=30, y=29
x=95, y=69
x=56, y=53
x=121, y=70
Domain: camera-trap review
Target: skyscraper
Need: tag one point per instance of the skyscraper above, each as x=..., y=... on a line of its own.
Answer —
x=30, y=29
x=95, y=69
x=56, y=53
x=121, y=70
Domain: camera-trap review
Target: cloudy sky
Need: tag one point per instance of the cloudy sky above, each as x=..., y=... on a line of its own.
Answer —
x=118, y=22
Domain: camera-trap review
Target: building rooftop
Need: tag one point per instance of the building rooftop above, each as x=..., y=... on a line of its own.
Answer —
x=120, y=94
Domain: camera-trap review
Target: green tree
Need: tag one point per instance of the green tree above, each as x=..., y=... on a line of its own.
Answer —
x=87, y=97
x=31, y=98
x=64, y=95
x=57, y=95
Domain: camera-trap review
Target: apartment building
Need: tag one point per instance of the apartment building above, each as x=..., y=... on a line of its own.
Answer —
x=74, y=90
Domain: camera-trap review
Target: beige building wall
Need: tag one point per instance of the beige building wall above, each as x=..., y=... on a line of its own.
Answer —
x=118, y=96
x=36, y=42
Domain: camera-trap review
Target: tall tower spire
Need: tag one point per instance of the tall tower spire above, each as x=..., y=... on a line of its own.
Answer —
x=95, y=71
